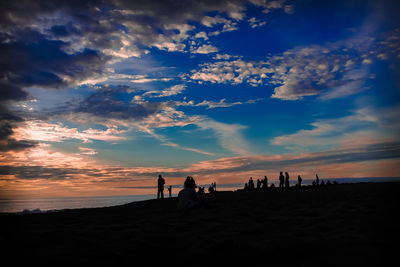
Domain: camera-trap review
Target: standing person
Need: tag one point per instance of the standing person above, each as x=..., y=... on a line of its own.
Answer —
x=170, y=190
x=299, y=180
x=265, y=183
x=281, y=180
x=287, y=180
x=258, y=184
x=317, y=179
x=251, y=184
x=160, y=184
x=214, y=186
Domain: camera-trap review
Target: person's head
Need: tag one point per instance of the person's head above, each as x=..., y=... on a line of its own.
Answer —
x=286, y=173
x=281, y=172
x=159, y=176
x=189, y=181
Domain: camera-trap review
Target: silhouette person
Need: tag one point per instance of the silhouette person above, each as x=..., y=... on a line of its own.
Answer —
x=211, y=189
x=187, y=197
x=265, y=183
x=286, y=180
x=160, y=183
x=258, y=184
x=189, y=182
x=170, y=190
x=317, y=179
x=272, y=186
x=299, y=180
x=251, y=184
x=281, y=180
x=200, y=192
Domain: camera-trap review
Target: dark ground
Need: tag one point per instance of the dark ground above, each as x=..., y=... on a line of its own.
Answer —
x=346, y=224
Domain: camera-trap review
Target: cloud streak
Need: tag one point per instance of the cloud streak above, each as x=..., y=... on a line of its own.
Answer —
x=226, y=166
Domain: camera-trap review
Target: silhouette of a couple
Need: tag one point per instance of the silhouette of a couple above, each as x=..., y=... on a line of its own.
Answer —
x=284, y=180
x=187, y=197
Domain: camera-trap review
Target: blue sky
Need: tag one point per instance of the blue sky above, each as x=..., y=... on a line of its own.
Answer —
x=103, y=95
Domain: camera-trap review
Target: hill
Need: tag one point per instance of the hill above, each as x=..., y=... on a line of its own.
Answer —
x=345, y=224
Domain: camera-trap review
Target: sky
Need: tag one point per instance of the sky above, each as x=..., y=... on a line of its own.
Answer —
x=99, y=97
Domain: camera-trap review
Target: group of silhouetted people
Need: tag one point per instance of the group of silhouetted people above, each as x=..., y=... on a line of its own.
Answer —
x=284, y=183
x=187, y=197
x=261, y=184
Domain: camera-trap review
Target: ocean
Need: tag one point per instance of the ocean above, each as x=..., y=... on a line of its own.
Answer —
x=36, y=205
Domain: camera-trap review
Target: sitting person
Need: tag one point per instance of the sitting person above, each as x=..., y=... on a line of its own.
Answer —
x=187, y=197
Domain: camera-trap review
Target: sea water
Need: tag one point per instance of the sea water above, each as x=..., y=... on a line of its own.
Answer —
x=34, y=205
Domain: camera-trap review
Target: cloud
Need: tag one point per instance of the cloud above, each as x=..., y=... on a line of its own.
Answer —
x=87, y=151
x=229, y=136
x=189, y=149
x=254, y=23
x=104, y=103
x=170, y=91
x=212, y=104
x=36, y=61
x=77, y=169
x=365, y=126
x=205, y=49
x=330, y=71
x=236, y=72
x=69, y=44
x=202, y=35
x=8, y=121
x=39, y=131
x=123, y=29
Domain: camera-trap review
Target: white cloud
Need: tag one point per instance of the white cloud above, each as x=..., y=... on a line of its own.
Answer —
x=211, y=21
x=170, y=91
x=87, y=151
x=205, y=49
x=57, y=132
x=202, y=35
x=229, y=135
x=254, y=23
x=235, y=71
x=220, y=104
